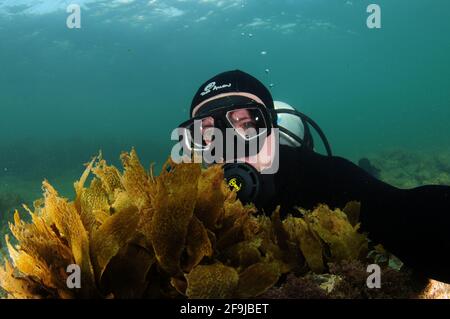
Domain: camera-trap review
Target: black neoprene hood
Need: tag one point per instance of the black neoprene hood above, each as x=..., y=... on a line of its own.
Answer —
x=232, y=81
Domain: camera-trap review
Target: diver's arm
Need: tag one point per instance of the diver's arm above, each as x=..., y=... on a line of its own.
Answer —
x=412, y=224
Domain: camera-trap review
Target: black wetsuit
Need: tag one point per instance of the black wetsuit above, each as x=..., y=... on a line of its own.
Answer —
x=412, y=224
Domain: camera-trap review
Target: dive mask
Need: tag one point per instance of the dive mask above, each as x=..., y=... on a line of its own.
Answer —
x=243, y=125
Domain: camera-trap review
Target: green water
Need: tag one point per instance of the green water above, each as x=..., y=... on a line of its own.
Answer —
x=127, y=77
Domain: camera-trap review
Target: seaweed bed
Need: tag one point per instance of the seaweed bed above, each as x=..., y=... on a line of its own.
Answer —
x=183, y=234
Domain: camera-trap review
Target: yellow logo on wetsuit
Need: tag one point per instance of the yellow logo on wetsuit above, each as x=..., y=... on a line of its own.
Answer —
x=234, y=183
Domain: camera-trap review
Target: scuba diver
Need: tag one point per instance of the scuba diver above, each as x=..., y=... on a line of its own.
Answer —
x=413, y=224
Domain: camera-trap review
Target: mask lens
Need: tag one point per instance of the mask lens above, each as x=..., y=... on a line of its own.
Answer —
x=248, y=122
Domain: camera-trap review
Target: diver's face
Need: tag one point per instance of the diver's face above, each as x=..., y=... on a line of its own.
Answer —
x=248, y=121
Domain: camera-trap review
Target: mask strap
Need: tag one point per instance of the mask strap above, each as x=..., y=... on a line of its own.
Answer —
x=309, y=121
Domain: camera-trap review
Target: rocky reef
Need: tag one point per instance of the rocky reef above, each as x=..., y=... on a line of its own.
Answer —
x=406, y=169
x=184, y=234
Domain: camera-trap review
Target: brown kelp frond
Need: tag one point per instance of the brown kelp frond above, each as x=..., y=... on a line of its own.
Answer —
x=211, y=196
x=307, y=241
x=67, y=220
x=136, y=181
x=257, y=279
x=174, y=205
x=212, y=281
x=111, y=236
x=184, y=233
x=198, y=244
x=343, y=239
x=109, y=177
